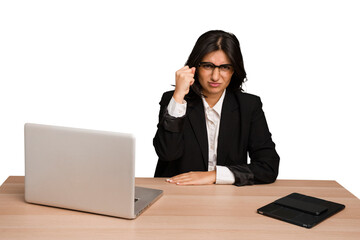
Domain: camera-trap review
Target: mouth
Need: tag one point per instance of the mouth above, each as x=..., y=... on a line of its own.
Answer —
x=213, y=84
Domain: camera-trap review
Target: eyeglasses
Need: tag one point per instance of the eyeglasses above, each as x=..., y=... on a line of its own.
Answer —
x=208, y=66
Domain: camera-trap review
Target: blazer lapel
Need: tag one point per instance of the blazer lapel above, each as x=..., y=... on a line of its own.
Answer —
x=228, y=114
x=197, y=121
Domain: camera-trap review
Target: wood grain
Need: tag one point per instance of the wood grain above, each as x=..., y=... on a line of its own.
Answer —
x=183, y=212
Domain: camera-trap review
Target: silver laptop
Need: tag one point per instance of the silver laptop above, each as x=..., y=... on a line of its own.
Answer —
x=85, y=170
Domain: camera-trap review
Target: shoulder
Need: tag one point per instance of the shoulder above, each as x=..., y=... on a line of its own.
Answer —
x=247, y=98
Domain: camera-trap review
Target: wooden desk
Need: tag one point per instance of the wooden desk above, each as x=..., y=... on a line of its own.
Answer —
x=183, y=212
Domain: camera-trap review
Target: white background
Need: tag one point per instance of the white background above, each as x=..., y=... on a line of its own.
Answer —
x=105, y=64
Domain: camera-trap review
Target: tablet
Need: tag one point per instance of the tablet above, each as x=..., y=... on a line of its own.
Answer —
x=301, y=210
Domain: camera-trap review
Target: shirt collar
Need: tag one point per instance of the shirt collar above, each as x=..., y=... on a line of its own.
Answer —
x=218, y=106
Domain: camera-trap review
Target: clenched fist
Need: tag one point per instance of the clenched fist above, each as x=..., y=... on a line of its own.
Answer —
x=184, y=79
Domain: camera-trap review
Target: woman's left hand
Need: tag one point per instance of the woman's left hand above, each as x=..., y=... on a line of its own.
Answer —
x=194, y=178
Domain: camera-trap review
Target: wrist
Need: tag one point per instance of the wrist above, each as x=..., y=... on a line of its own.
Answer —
x=179, y=97
x=212, y=175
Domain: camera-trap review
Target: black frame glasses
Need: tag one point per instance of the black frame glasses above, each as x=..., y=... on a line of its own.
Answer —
x=210, y=66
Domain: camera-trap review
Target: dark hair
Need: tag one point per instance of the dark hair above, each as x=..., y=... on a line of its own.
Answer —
x=218, y=40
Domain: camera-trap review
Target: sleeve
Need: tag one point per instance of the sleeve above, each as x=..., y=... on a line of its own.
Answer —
x=176, y=109
x=224, y=175
x=264, y=160
x=168, y=140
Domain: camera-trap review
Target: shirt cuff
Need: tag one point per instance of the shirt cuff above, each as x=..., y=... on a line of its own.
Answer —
x=176, y=109
x=224, y=175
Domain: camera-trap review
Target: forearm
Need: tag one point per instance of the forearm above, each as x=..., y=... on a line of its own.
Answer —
x=262, y=169
x=168, y=141
x=168, y=145
x=265, y=165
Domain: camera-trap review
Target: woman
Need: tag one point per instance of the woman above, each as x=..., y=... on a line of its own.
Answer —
x=208, y=125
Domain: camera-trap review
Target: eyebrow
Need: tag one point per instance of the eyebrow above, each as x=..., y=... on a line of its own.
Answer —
x=225, y=64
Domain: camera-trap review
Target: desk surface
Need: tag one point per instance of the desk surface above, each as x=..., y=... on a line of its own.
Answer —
x=183, y=212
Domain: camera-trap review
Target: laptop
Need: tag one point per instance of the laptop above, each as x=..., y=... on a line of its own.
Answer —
x=84, y=170
x=301, y=210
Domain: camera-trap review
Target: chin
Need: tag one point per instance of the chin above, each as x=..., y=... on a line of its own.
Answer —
x=213, y=91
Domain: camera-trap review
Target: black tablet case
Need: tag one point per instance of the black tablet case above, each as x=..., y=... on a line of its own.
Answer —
x=301, y=210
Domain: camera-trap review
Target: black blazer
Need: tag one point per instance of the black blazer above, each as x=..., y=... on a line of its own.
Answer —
x=181, y=143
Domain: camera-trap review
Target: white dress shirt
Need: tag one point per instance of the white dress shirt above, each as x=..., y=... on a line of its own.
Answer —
x=212, y=118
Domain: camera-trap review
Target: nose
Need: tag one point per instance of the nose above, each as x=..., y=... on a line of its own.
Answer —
x=215, y=76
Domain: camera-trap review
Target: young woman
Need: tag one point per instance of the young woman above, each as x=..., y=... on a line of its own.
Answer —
x=208, y=125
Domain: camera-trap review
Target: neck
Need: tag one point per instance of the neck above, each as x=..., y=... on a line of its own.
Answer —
x=212, y=99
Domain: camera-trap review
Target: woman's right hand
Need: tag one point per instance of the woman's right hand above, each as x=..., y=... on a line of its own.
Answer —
x=184, y=79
